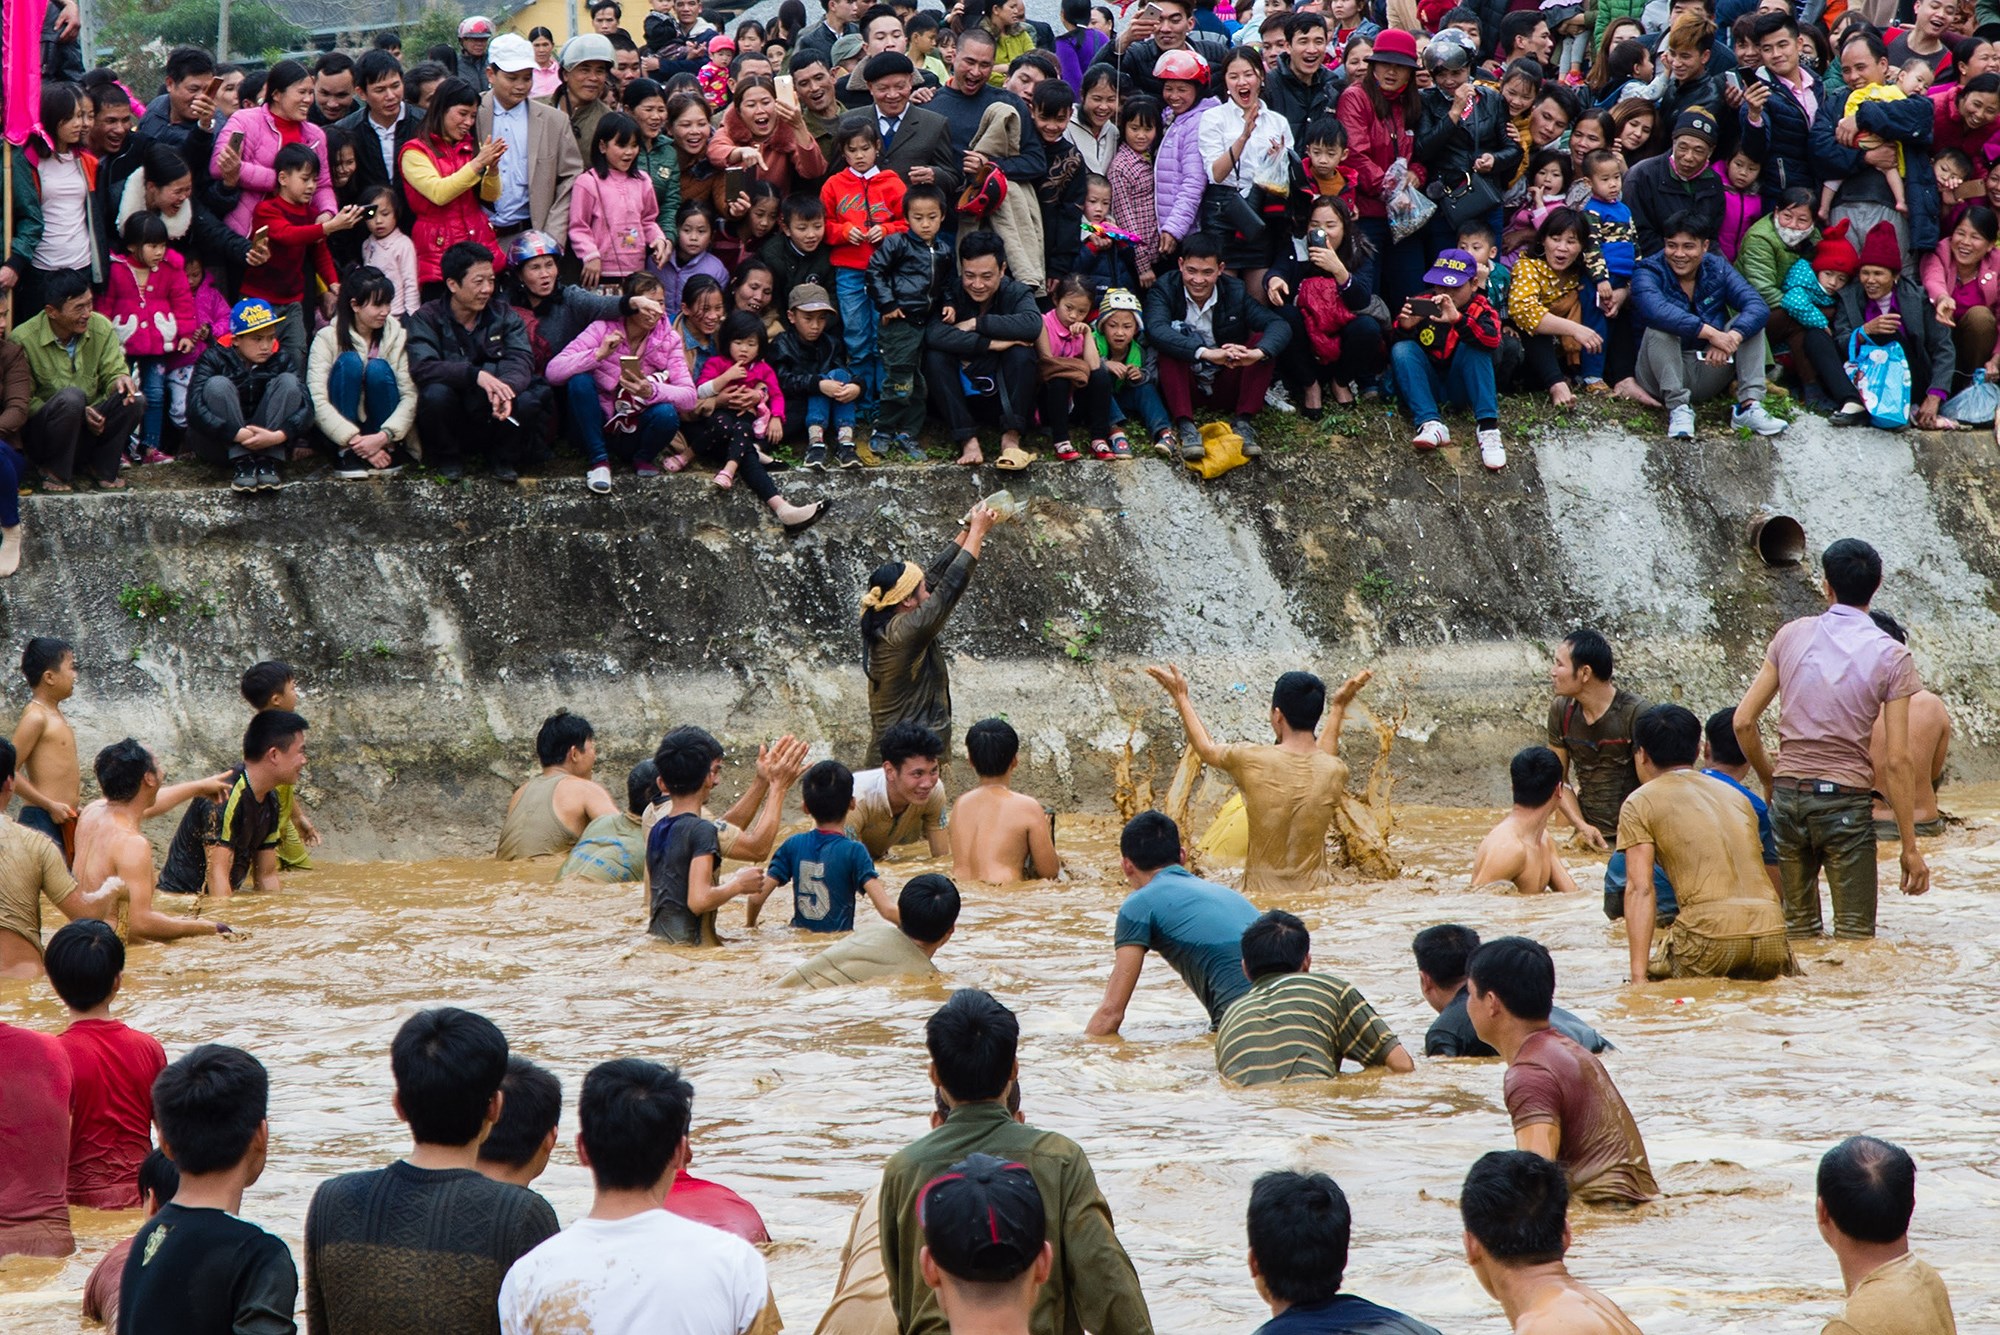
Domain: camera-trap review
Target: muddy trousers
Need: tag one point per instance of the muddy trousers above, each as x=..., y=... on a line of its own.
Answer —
x=1680, y=378
x=1834, y=831
x=57, y=438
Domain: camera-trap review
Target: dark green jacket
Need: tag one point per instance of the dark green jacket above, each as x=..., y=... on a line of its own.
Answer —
x=908, y=678
x=1092, y=1285
x=661, y=164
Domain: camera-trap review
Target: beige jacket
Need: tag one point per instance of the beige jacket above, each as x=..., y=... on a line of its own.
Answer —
x=1018, y=220
x=554, y=162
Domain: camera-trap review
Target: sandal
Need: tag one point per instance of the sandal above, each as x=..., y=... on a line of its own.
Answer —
x=1013, y=459
x=1101, y=449
x=1062, y=449
x=674, y=463
x=726, y=478
x=819, y=513
x=54, y=486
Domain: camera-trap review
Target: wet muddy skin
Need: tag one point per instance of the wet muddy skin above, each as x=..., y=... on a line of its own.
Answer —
x=1738, y=1088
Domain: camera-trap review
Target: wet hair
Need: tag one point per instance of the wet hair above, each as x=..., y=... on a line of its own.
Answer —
x=271, y=730
x=1442, y=951
x=633, y=1116
x=992, y=745
x=1150, y=841
x=1515, y=1203
x=1589, y=649
x=1518, y=971
x=684, y=759
x=1721, y=733
x=1275, y=943
x=284, y=75
x=1535, y=773
x=7, y=760
x=1853, y=571
x=84, y=960
x=1670, y=735
x=802, y=208
x=561, y=733
x=1299, y=1226
x=642, y=782
x=121, y=769
x=298, y=158
x=208, y=1106
x=1300, y=698
x=928, y=908
x=903, y=742
x=263, y=680
x=363, y=285
x=827, y=792
x=460, y=259
x=530, y=1106
x=448, y=1065
x=1890, y=626
x=1869, y=1188
x=158, y=1180
x=973, y=1040
x=614, y=128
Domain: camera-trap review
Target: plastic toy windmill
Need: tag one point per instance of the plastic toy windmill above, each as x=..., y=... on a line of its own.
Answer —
x=1105, y=232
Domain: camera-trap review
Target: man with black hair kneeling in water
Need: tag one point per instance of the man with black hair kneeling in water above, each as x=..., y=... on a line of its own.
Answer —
x=1300, y=1227
x=928, y=909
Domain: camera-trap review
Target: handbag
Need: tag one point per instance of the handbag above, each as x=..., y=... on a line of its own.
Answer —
x=1473, y=199
x=1881, y=372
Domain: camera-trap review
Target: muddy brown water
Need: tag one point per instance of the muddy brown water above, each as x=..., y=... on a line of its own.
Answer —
x=800, y=1096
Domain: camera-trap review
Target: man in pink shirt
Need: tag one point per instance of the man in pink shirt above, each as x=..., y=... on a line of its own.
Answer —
x=34, y=1144
x=1833, y=674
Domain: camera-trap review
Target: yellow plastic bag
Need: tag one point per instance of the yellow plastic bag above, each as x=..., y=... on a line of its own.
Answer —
x=1223, y=451
x=1228, y=836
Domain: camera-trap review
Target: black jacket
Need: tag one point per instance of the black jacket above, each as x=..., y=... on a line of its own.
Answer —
x=789, y=268
x=1783, y=142
x=1140, y=57
x=1706, y=92
x=252, y=383
x=369, y=169
x=1923, y=338
x=911, y=275
x=1656, y=194
x=1908, y=123
x=1300, y=102
x=1010, y=317
x=445, y=352
x=1237, y=318
x=1447, y=146
x=800, y=365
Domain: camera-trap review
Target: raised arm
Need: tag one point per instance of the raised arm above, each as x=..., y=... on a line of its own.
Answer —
x=1175, y=684
x=1118, y=991
x=760, y=810
x=1329, y=737
x=215, y=787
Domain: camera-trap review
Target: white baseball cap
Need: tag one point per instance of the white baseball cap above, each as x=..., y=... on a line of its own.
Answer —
x=510, y=53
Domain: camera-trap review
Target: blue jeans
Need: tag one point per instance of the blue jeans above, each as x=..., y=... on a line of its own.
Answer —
x=862, y=329
x=657, y=425
x=1142, y=401
x=362, y=391
x=1665, y=906
x=1593, y=319
x=1467, y=380
x=820, y=409
x=152, y=378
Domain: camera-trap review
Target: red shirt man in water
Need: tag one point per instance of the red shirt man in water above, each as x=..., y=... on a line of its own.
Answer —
x=113, y=1065
x=34, y=1144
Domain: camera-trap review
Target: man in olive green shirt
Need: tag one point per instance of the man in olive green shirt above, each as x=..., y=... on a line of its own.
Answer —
x=85, y=406
x=1092, y=1285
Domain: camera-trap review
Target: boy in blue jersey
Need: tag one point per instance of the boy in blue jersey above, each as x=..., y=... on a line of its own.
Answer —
x=826, y=867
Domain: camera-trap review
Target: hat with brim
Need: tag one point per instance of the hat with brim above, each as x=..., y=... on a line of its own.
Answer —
x=510, y=53
x=1453, y=269
x=251, y=316
x=1393, y=46
x=845, y=47
x=586, y=47
x=810, y=297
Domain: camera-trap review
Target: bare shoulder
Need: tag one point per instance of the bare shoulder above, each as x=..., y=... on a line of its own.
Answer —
x=1578, y=1310
x=1024, y=806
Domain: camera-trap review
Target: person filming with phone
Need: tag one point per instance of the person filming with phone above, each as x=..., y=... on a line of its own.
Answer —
x=1445, y=340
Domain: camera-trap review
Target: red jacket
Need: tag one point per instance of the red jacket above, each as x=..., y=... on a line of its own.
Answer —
x=1479, y=322
x=1373, y=143
x=853, y=205
x=296, y=243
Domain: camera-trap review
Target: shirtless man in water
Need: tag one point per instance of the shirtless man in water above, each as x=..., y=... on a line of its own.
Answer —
x=1520, y=850
x=1930, y=745
x=547, y=814
x=47, y=779
x=111, y=847
x=1514, y=1207
x=1291, y=790
x=1000, y=836
x=31, y=871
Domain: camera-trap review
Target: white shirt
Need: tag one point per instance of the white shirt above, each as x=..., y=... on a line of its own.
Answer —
x=386, y=136
x=877, y=827
x=1097, y=150
x=1266, y=159
x=1201, y=317
x=653, y=1274
x=512, y=206
x=65, y=224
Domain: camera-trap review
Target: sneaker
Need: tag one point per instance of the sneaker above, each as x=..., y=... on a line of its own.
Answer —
x=646, y=468
x=267, y=475
x=1121, y=447
x=1491, y=452
x=911, y=450
x=506, y=473
x=1278, y=399
x=844, y=455
x=1065, y=451
x=1431, y=435
x=244, y=475
x=1680, y=424
x=1192, y=450
x=1101, y=449
x=350, y=467
x=816, y=458
x=1758, y=419
x=1251, y=449
x=598, y=479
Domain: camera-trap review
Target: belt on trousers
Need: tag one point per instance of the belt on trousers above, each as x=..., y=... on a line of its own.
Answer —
x=1821, y=787
x=512, y=229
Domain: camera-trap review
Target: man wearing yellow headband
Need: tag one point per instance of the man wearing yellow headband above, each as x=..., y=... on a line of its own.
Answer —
x=902, y=613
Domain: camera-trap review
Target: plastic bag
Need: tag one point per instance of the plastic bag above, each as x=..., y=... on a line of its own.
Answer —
x=1977, y=402
x=1881, y=372
x=1408, y=207
x=1228, y=836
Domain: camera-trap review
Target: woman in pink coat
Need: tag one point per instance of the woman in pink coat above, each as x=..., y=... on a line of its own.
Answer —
x=1962, y=279
x=251, y=167
x=637, y=408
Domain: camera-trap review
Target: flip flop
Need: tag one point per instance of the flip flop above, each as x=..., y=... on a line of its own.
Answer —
x=674, y=463
x=1013, y=459
x=819, y=513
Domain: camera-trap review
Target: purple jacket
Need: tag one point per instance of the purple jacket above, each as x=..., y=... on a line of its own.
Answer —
x=660, y=352
x=260, y=152
x=1178, y=175
x=1074, y=52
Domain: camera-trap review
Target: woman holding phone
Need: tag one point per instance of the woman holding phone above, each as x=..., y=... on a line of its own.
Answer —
x=765, y=137
x=442, y=168
x=627, y=384
x=255, y=134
